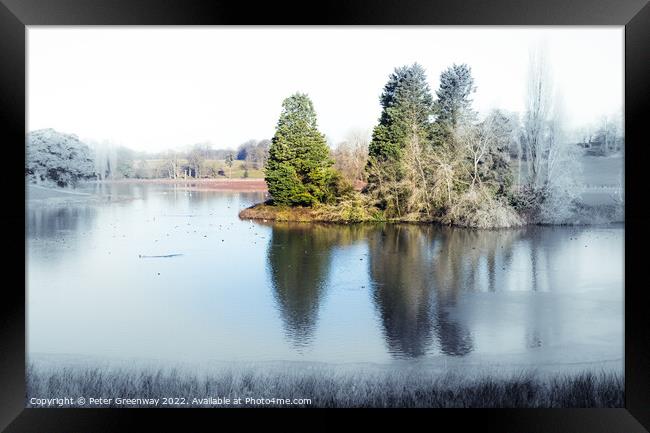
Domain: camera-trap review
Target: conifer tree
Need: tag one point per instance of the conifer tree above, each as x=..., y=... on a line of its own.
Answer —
x=399, y=141
x=298, y=171
x=454, y=97
x=406, y=103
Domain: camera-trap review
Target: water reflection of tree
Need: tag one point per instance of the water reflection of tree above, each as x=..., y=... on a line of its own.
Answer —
x=466, y=261
x=47, y=222
x=58, y=231
x=419, y=273
x=551, y=252
x=471, y=260
x=400, y=269
x=299, y=258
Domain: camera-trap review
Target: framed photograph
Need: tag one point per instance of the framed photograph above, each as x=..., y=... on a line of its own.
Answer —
x=406, y=205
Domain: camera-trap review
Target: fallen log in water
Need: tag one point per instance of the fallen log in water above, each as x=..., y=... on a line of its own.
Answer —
x=156, y=257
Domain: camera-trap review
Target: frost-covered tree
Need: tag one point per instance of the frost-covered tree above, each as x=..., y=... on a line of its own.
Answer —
x=105, y=157
x=537, y=116
x=562, y=168
x=58, y=158
x=550, y=192
x=609, y=135
x=495, y=167
x=298, y=171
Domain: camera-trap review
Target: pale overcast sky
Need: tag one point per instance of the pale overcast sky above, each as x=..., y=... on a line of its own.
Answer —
x=162, y=87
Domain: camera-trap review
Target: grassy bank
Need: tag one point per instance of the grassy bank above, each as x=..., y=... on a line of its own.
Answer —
x=356, y=211
x=329, y=387
x=468, y=213
x=266, y=211
x=344, y=213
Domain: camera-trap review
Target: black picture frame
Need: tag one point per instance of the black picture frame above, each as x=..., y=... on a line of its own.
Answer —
x=15, y=15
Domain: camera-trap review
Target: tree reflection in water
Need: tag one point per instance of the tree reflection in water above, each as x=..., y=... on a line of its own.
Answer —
x=400, y=269
x=299, y=258
x=420, y=272
x=465, y=261
x=418, y=276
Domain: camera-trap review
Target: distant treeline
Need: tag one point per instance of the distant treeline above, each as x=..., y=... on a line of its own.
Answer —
x=64, y=160
x=196, y=161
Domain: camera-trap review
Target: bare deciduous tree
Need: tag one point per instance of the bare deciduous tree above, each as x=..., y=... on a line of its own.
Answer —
x=538, y=107
x=417, y=169
x=552, y=161
x=476, y=141
x=351, y=156
x=609, y=133
x=197, y=156
x=562, y=167
x=255, y=153
x=172, y=164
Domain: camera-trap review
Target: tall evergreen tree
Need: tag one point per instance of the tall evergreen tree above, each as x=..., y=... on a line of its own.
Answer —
x=396, y=174
x=454, y=97
x=406, y=103
x=298, y=171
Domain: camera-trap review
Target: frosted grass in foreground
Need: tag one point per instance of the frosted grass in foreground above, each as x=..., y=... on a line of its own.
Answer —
x=319, y=386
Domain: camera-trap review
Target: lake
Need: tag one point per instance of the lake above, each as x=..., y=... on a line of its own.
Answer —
x=237, y=290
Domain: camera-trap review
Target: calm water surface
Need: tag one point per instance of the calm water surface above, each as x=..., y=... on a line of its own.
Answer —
x=247, y=291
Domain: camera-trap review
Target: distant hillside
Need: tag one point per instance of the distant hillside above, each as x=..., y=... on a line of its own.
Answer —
x=57, y=158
